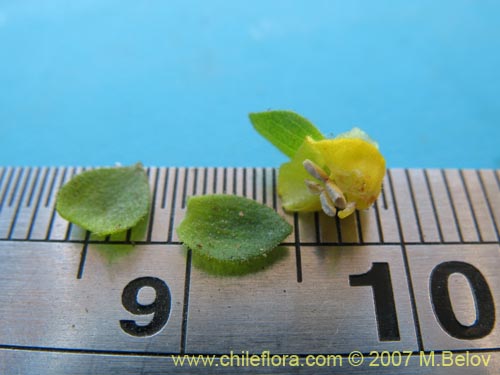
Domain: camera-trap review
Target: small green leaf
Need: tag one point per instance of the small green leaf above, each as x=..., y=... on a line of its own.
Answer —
x=285, y=129
x=231, y=228
x=106, y=200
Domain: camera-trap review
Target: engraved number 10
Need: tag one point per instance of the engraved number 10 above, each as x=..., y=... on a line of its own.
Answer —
x=379, y=278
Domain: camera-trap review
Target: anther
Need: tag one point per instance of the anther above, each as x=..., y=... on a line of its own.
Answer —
x=314, y=170
x=327, y=205
x=349, y=209
x=314, y=187
x=335, y=194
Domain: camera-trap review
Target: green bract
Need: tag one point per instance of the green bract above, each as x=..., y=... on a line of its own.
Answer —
x=106, y=200
x=284, y=129
x=231, y=228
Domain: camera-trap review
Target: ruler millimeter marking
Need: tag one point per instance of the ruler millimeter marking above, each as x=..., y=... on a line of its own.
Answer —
x=433, y=209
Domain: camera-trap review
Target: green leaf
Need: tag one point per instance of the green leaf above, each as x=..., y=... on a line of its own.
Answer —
x=106, y=200
x=231, y=228
x=285, y=129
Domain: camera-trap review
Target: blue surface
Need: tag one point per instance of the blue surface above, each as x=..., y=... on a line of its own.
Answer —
x=171, y=82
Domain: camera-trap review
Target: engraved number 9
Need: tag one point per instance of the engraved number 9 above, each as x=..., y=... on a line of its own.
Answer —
x=160, y=307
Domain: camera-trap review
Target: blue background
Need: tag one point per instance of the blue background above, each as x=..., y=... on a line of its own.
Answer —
x=170, y=83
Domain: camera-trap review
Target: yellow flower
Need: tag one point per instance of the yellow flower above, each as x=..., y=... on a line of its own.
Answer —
x=343, y=173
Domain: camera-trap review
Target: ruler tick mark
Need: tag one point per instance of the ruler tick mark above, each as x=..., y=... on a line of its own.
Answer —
x=317, y=231
x=19, y=203
x=274, y=189
x=254, y=184
x=69, y=229
x=235, y=175
x=433, y=204
x=33, y=186
x=360, y=229
x=195, y=182
x=9, y=180
x=83, y=256
x=471, y=206
x=205, y=180
x=339, y=230
x=16, y=186
x=264, y=186
x=379, y=224
x=2, y=176
x=52, y=183
x=53, y=215
x=452, y=203
x=37, y=205
x=185, y=307
x=244, y=182
x=414, y=205
x=172, y=207
x=153, y=205
x=224, y=181
x=214, y=182
x=185, y=188
x=298, y=257
x=384, y=198
x=165, y=189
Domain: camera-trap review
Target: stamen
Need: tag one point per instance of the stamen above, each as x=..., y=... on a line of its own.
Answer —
x=314, y=187
x=335, y=194
x=327, y=205
x=349, y=209
x=314, y=170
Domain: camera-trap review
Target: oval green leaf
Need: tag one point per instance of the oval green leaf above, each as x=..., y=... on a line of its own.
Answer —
x=107, y=200
x=231, y=228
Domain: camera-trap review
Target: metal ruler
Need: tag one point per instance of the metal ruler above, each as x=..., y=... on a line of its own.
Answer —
x=417, y=273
